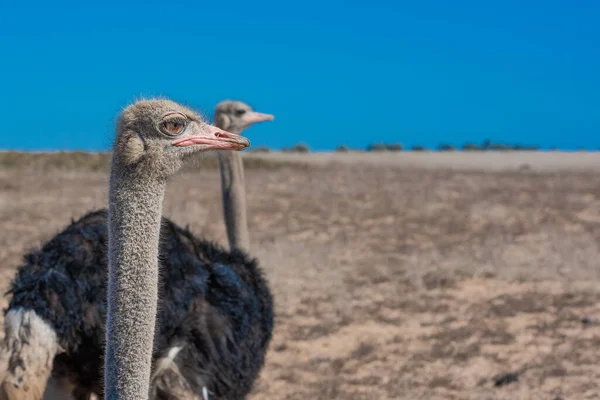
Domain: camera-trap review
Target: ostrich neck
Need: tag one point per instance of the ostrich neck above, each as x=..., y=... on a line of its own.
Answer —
x=233, y=190
x=135, y=205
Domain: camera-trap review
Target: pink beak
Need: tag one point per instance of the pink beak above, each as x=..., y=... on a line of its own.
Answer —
x=214, y=139
x=253, y=116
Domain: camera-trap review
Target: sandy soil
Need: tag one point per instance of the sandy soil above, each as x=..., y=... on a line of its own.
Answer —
x=473, y=161
x=391, y=282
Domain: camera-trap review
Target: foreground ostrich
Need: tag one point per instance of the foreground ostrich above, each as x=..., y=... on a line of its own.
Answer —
x=153, y=140
x=214, y=321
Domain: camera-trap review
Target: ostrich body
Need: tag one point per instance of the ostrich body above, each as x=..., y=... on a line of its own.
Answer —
x=213, y=326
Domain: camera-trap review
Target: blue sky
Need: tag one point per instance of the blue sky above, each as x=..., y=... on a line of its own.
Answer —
x=352, y=72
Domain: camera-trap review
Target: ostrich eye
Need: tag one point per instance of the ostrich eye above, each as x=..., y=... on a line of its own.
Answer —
x=240, y=112
x=174, y=125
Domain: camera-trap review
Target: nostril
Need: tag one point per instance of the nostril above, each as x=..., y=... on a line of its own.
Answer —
x=220, y=135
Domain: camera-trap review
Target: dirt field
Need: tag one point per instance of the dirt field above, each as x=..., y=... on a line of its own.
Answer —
x=462, y=161
x=392, y=281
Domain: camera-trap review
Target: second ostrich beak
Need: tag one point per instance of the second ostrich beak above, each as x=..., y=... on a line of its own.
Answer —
x=252, y=117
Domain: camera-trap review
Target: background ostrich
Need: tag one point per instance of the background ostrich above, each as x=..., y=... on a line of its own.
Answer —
x=235, y=116
x=60, y=291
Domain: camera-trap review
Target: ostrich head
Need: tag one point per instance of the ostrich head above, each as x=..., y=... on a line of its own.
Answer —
x=236, y=116
x=157, y=136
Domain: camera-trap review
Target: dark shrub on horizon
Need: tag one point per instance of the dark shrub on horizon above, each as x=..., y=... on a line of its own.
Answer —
x=262, y=149
x=376, y=147
x=446, y=147
x=471, y=147
x=342, y=149
x=418, y=147
x=298, y=148
x=394, y=147
x=498, y=147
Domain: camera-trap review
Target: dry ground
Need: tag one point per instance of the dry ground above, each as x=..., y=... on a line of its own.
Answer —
x=390, y=283
x=472, y=160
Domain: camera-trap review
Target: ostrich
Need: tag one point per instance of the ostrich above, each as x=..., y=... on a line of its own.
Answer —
x=153, y=140
x=213, y=326
x=234, y=116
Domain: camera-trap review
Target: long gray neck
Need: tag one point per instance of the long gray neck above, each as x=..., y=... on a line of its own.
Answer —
x=134, y=218
x=233, y=191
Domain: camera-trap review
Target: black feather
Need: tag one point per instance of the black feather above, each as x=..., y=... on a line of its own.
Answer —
x=214, y=304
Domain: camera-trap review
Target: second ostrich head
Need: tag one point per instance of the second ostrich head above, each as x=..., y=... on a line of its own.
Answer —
x=236, y=116
x=157, y=136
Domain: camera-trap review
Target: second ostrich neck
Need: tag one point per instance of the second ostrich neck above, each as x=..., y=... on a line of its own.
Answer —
x=134, y=222
x=234, y=199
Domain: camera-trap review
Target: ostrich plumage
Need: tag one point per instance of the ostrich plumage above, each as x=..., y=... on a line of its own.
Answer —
x=215, y=305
